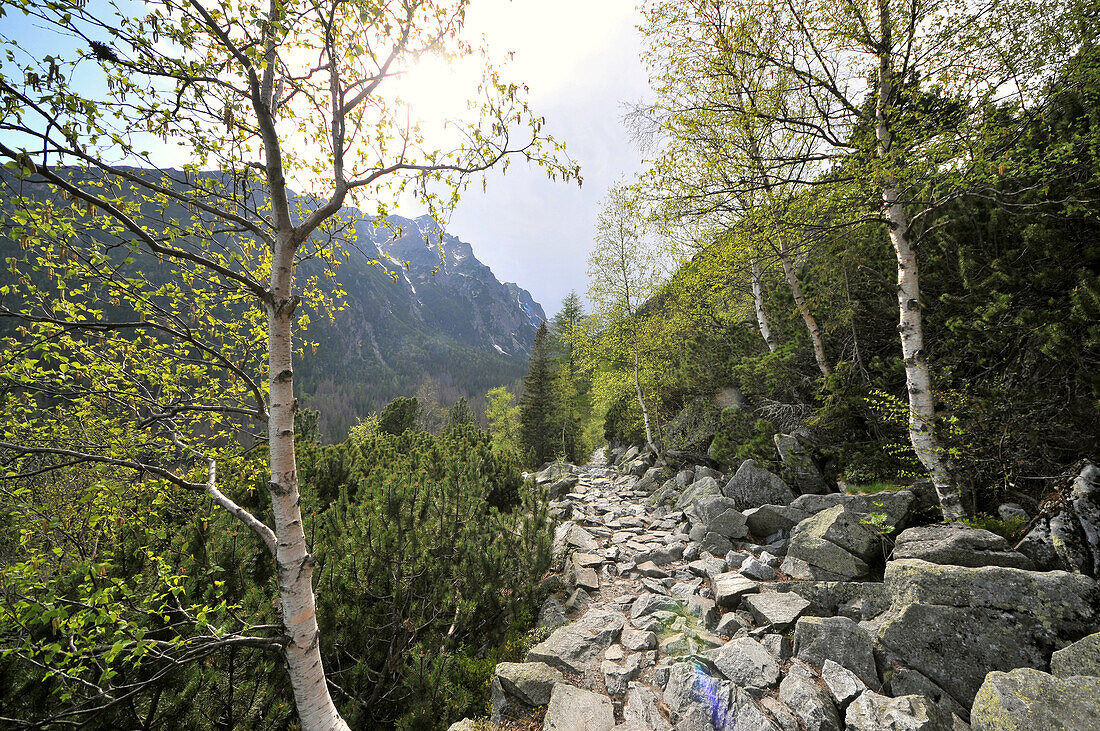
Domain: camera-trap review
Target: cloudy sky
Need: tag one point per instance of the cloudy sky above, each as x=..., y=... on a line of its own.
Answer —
x=580, y=59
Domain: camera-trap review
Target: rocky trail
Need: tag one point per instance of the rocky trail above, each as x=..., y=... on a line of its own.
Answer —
x=687, y=601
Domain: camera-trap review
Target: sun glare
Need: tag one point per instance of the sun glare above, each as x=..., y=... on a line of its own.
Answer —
x=437, y=89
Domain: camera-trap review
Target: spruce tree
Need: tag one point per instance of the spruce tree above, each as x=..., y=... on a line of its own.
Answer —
x=537, y=405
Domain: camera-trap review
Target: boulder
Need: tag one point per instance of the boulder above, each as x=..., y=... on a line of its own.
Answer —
x=572, y=647
x=748, y=664
x=699, y=697
x=720, y=515
x=753, y=486
x=798, y=465
x=815, y=559
x=809, y=701
x=730, y=587
x=519, y=687
x=1080, y=658
x=857, y=600
x=574, y=708
x=770, y=519
x=960, y=545
x=1026, y=699
x=843, y=528
x=907, y=681
x=563, y=487
x=874, y=712
x=637, y=640
x=775, y=610
x=702, y=487
x=616, y=676
x=817, y=639
x=897, y=506
x=955, y=624
x=1069, y=539
x=844, y=685
x=640, y=710
x=754, y=568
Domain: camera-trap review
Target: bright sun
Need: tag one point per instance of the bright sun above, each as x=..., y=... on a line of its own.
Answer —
x=438, y=89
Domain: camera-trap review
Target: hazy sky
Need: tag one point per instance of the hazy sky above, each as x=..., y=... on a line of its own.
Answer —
x=580, y=59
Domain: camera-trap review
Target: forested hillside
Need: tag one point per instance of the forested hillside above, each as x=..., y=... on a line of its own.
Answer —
x=783, y=315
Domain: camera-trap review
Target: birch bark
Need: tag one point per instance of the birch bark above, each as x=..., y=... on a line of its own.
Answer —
x=758, y=304
x=918, y=380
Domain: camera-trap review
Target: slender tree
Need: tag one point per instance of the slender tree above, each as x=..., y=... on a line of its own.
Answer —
x=623, y=272
x=538, y=420
x=161, y=285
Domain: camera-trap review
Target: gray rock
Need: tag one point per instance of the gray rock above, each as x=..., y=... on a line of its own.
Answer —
x=812, y=558
x=783, y=715
x=731, y=623
x=753, y=486
x=582, y=539
x=701, y=488
x=466, y=724
x=747, y=664
x=843, y=528
x=1085, y=502
x=734, y=559
x=809, y=701
x=730, y=587
x=896, y=505
x=587, y=579
x=716, y=544
x=1012, y=511
x=754, y=568
x=707, y=567
x=563, y=487
x=874, y=712
x=641, y=709
x=1025, y=699
x=578, y=600
x=960, y=545
x=843, y=684
x=685, y=478
x=720, y=515
x=749, y=716
x=798, y=465
x=637, y=640
x=574, y=708
x=907, y=681
x=650, y=569
x=552, y=614
x=778, y=645
x=955, y=624
x=857, y=600
x=530, y=682
x=1080, y=658
x=572, y=647
x=817, y=639
x=702, y=471
x=766, y=520
x=616, y=676
x=776, y=610
x=699, y=698
x=1038, y=545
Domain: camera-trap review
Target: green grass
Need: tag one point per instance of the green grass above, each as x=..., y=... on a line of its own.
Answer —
x=876, y=486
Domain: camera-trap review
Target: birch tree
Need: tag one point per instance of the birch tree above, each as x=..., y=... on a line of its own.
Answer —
x=624, y=271
x=161, y=303
x=851, y=74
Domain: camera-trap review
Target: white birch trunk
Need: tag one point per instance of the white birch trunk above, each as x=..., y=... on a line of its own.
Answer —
x=294, y=563
x=803, y=308
x=641, y=400
x=758, y=303
x=922, y=411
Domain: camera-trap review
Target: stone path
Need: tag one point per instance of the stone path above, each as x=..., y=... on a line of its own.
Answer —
x=668, y=613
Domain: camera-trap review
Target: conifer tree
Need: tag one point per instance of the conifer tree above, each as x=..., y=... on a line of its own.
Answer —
x=537, y=420
x=459, y=415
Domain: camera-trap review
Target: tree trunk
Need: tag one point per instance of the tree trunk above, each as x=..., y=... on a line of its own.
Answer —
x=294, y=563
x=918, y=380
x=803, y=308
x=758, y=302
x=641, y=400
